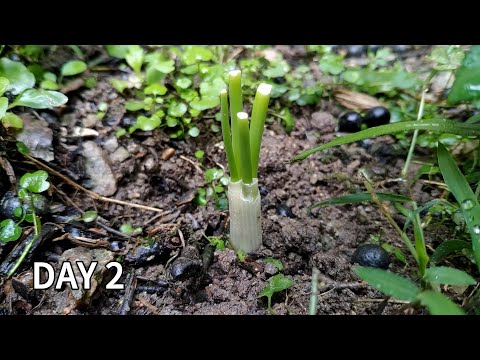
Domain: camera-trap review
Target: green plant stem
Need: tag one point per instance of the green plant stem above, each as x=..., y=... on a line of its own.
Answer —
x=244, y=142
x=227, y=136
x=312, y=308
x=420, y=248
x=259, y=115
x=37, y=229
x=385, y=212
x=414, y=138
x=236, y=106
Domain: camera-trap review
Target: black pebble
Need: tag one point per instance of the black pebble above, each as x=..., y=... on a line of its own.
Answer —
x=350, y=122
x=371, y=255
x=183, y=268
x=263, y=191
x=8, y=204
x=284, y=210
x=377, y=116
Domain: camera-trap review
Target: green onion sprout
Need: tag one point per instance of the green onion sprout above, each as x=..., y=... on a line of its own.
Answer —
x=242, y=141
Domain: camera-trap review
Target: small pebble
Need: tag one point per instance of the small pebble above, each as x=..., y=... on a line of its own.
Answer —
x=371, y=255
x=167, y=154
x=284, y=210
x=377, y=116
x=350, y=122
x=183, y=268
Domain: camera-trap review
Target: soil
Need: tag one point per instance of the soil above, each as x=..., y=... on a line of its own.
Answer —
x=177, y=272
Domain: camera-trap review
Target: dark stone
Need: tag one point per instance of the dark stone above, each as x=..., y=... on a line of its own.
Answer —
x=371, y=255
x=284, y=210
x=350, y=122
x=184, y=268
x=377, y=116
x=10, y=202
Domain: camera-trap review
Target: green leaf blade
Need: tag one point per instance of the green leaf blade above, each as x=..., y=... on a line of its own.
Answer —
x=439, y=304
x=435, y=125
x=360, y=197
x=459, y=187
x=448, y=276
x=388, y=283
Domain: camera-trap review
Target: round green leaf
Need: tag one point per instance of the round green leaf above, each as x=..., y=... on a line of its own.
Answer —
x=118, y=51
x=17, y=74
x=135, y=57
x=193, y=54
x=12, y=120
x=49, y=85
x=148, y=123
x=199, y=154
x=3, y=85
x=183, y=82
x=171, y=121
x=177, y=109
x=213, y=174
x=35, y=182
x=194, y=132
x=155, y=89
x=41, y=99
x=9, y=231
x=73, y=67
x=129, y=229
x=205, y=103
x=89, y=216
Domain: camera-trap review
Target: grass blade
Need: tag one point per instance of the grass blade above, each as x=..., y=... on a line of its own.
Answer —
x=388, y=283
x=420, y=247
x=458, y=186
x=439, y=304
x=360, y=197
x=436, y=125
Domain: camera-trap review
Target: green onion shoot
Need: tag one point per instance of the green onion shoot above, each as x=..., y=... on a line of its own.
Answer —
x=242, y=140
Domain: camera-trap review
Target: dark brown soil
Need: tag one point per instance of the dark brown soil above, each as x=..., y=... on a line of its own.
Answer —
x=324, y=239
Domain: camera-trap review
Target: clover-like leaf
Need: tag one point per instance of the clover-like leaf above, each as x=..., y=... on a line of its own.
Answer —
x=277, y=283
x=9, y=231
x=35, y=182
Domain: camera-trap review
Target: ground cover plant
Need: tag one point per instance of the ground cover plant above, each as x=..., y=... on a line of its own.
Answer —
x=320, y=179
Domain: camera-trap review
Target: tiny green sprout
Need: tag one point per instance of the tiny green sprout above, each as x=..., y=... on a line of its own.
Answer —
x=215, y=241
x=128, y=229
x=89, y=216
x=276, y=284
